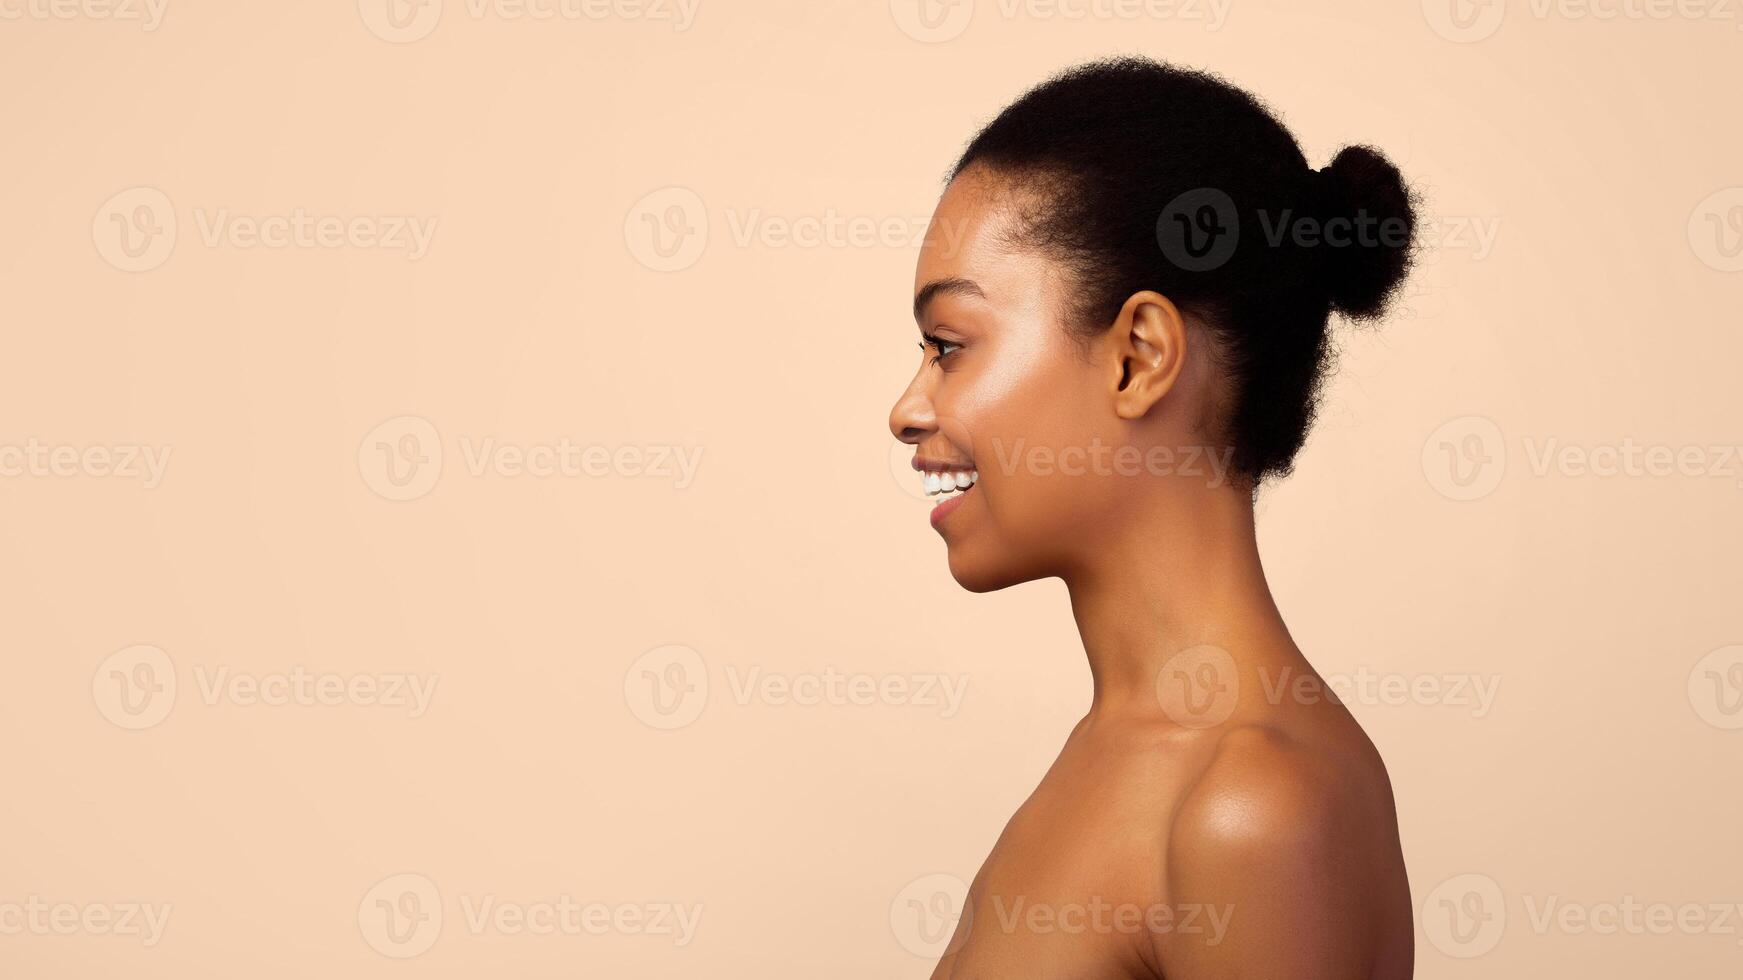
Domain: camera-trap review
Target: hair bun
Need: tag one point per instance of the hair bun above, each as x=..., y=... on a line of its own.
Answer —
x=1365, y=261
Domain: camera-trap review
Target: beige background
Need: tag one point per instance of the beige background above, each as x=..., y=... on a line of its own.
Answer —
x=325, y=512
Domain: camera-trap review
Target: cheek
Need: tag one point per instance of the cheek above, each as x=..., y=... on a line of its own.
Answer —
x=1014, y=396
x=1025, y=420
x=1047, y=487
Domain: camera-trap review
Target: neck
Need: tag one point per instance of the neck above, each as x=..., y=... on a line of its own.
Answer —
x=1189, y=574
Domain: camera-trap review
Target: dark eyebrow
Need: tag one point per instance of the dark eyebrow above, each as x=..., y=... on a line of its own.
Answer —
x=923, y=298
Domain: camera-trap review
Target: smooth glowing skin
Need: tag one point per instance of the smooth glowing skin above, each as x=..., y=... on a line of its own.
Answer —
x=1278, y=818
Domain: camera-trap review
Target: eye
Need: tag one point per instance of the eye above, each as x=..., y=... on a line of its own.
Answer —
x=944, y=347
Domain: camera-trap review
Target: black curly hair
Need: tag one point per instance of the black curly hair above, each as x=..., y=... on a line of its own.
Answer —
x=1151, y=176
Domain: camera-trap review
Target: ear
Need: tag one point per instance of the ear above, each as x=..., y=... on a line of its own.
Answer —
x=1149, y=350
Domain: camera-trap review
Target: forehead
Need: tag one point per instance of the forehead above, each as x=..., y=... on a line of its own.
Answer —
x=971, y=237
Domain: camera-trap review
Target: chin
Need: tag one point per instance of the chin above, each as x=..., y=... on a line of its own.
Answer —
x=987, y=573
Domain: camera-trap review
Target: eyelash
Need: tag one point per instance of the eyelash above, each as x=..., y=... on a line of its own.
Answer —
x=933, y=343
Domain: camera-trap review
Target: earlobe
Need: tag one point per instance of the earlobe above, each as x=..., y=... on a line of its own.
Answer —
x=1150, y=350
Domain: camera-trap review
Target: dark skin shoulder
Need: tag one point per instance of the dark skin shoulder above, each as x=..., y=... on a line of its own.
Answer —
x=1151, y=850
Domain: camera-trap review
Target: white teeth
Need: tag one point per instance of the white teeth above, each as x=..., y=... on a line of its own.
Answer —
x=937, y=483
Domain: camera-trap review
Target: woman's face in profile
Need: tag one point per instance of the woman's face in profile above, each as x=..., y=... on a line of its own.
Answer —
x=1004, y=389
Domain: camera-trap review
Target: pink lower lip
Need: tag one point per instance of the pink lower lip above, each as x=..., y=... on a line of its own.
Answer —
x=940, y=512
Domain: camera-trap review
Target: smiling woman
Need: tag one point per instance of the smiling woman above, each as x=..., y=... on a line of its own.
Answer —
x=1115, y=358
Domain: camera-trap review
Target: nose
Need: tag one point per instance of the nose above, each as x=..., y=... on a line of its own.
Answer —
x=913, y=418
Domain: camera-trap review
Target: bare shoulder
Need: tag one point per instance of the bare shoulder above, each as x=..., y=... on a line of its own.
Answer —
x=1265, y=789
x=1294, y=838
